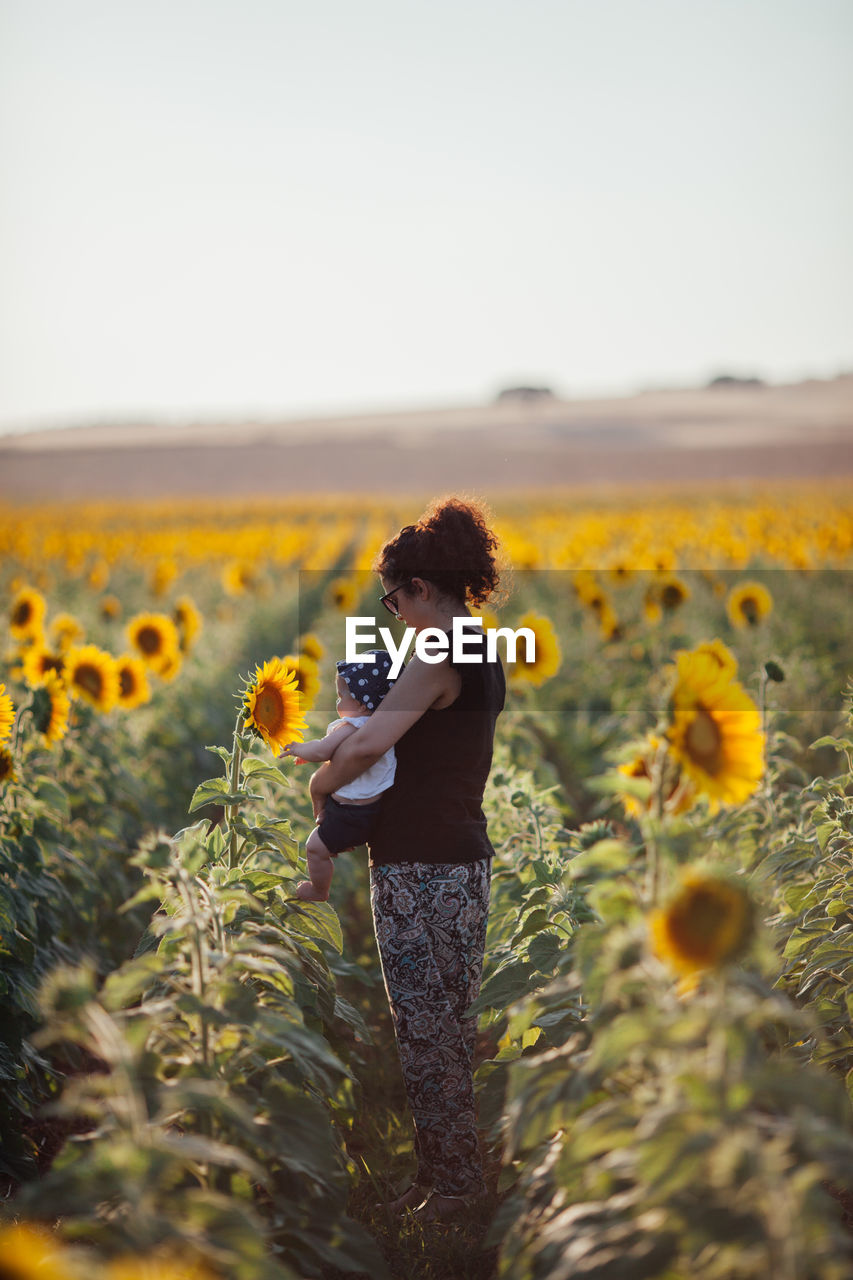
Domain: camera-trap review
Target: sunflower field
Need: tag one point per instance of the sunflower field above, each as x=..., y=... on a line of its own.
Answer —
x=199, y=1079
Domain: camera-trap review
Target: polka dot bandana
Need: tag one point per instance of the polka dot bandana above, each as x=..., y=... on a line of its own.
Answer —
x=367, y=681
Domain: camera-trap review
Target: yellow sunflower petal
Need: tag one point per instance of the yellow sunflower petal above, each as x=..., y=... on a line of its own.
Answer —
x=272, y=706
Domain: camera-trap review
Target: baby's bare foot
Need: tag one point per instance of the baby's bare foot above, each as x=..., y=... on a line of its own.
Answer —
x=306, y=891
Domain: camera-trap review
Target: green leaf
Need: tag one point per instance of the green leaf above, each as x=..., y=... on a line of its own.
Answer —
x=536, y=921
x=320, y=920
x=222, y=752
x=215, y=791
x=254, y=768
x=840, y=744
x=52, y=795
x=504, y=987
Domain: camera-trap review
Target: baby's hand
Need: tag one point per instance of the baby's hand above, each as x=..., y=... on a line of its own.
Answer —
x=290, y=749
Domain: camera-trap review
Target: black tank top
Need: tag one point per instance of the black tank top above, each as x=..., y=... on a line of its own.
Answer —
x=433, y=812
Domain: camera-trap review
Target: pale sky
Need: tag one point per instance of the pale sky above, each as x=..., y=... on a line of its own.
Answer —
x=217, y=208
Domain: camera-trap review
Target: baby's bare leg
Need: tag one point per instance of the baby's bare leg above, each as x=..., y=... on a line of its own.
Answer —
x=319, y=869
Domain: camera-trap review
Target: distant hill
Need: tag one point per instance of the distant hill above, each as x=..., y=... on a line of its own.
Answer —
x=751, y=433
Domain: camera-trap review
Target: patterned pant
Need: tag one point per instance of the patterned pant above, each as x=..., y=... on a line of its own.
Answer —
x=430, y=922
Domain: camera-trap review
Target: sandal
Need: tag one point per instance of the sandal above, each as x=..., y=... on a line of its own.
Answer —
x=439, y=1208
x=413, y=1195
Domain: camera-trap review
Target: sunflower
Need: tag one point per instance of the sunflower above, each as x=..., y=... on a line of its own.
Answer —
x=708, y=922
x=715, y=730
x=38, y=662
x=188, y=620
x=311, y=646
x=163, y=575
x=547, y=655
x=90, y=673
x=27, y=615
x=672, y=592
x=110, y=608
x=748, y=604
x=30, y=1253
x=99, y=575
x=307, y=675
x=721, y=654
x=65, y=630
x=50, y=709
x=678, y=793
x=7, y=766
x=272, y=706
x=7, y=715
x=155, y=638
x=238, y=577
x=170, y=667
x=342, y=594
x=133, y=686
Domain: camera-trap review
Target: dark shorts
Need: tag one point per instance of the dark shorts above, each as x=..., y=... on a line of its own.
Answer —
x=346, y=826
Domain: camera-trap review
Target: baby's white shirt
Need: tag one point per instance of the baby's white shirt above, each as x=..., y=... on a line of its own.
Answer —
x=379, y=777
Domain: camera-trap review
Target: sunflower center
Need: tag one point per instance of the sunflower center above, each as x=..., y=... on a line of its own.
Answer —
x=698, y=927
x=5, y=765
x=749, y=609
x=22, y=613
x=703, y=741
x=269, y=709
x=149, y=640
x=671, y=596
x=90, y=679
x=127, y=682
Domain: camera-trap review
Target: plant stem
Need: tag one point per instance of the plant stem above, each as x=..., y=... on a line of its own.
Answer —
x=233, y=785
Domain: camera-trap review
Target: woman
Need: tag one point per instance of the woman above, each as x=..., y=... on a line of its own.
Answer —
x=430, y=856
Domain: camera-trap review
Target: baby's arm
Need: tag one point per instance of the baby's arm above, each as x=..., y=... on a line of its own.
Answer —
x=319, y=749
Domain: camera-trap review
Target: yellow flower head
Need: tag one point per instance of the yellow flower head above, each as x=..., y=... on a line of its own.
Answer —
x=671, y=591
x=708, y=922
x=678, y=793
x=155, y=638
x=110, y=608
x=342, y=594
x=99, y=575
x=307, y=677
x=272, y=706
x=91, y=674
x=65, y=630
x=715, y=729
x=51, y=708
x=721, y=654
x=27, y=616
x=238, y=577
x=30, y=1253
x=38, y=662
x=133, y=686
x=748, y=603
x=163, y=575
x=7, y=715
x=188, y=620
x=548, y=657
x=311, y=646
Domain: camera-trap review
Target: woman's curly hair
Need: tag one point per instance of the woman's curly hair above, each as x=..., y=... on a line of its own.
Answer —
x=451, y=546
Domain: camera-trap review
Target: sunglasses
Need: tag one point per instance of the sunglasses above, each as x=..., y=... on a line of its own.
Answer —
x=390, y=598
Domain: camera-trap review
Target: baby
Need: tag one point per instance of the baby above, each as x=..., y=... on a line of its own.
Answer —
x=349, y=813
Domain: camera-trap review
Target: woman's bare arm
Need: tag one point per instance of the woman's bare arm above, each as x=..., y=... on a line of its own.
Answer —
x=420, y=685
